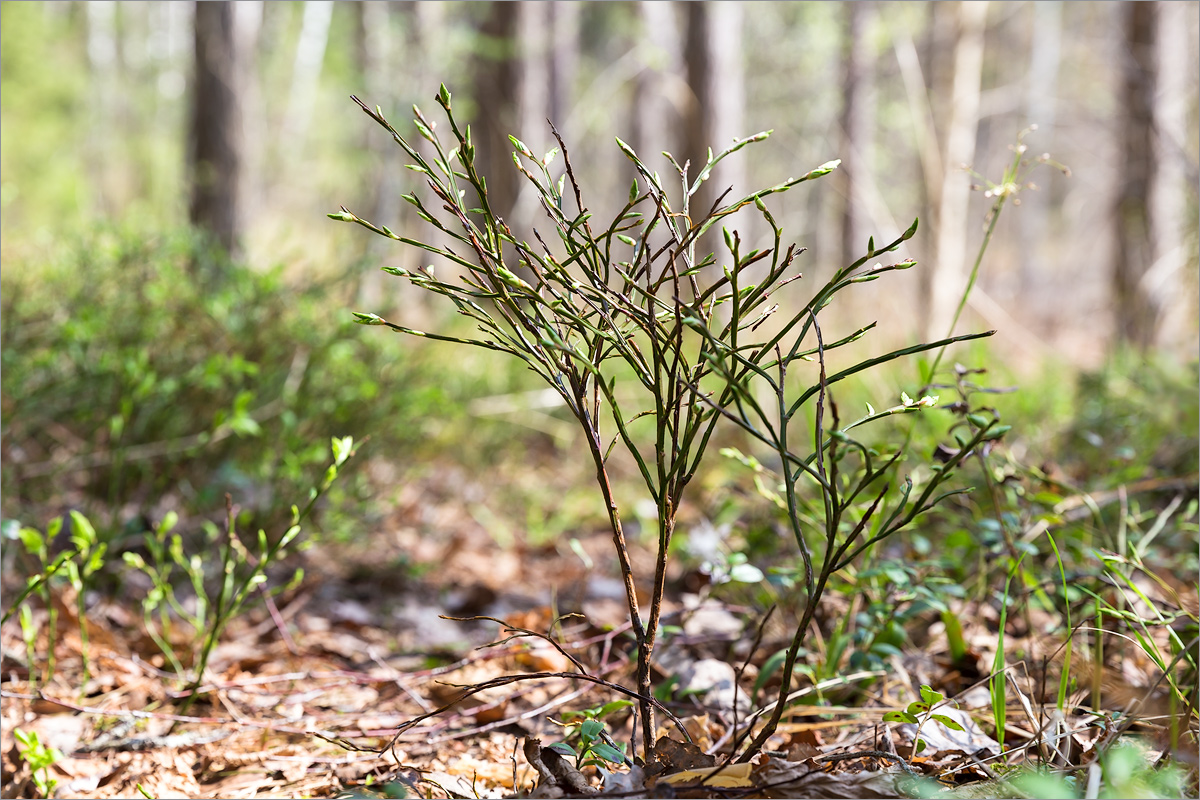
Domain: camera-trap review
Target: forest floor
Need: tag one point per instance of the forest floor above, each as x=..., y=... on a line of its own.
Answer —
x=329, y=691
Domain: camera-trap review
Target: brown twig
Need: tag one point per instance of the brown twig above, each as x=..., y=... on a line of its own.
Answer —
x=506, y=626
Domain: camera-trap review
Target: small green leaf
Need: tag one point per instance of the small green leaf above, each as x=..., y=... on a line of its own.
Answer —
x=425, y=132
x=609, y=753
x=363, y=318
x=920, y=746
x=564, y=748
x=590, y=729
x=291, y=534
x=930, y=696
x=32, y=539
x=611, y=706
x=169, y=521
x=342, y=448
x=949, y=722
x=900, y=716
x=521, y=148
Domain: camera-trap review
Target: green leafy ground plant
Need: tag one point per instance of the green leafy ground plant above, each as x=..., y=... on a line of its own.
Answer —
x=588, y=740
x=40, y=759
x=241, y=571
x=920, y=712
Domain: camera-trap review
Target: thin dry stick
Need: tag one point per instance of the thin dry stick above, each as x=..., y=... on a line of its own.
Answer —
x=476, y=688
x=521, y=632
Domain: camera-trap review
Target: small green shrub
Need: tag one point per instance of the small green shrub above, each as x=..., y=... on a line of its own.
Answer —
x=691, y=338
x=143, y=371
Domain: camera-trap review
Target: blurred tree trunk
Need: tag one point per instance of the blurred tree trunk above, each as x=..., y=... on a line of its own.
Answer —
x=564, y=64
x=216, y=135
x=247, y=23
x=1045, y=52
x=856, y=126
x=306, y=73
x=1137, y=310
x=1175, y=188
x=376, y=67
x=536, y=90
x=497, y=85
x=919, y=88
x=658, y=108
x=944, y=276
x=549, y=42
x=714, y=118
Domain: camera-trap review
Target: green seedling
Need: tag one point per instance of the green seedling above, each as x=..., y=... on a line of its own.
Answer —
x=88, y=560
x=593, y=744
x=40, y=758
x=37, y=545
x=241, y=572
x=920, y=712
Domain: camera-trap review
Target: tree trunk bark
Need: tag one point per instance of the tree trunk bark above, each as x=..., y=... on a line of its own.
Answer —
x=856, y=127
x=373, y=52
x=1045, y=53
x=714, y=117
x=1136, y=309
x=1176, y=180
x=306, y=72
x=252, y=189
x=564, y=64
x=497, y=86
x=658, y=113
x=216, y=136
x=946, y=274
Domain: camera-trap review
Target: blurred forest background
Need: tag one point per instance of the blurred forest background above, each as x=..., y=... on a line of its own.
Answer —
x=101, y=101
x=175, y=305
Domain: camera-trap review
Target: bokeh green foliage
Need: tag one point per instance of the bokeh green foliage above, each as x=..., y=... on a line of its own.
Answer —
x=144, y=371
x=1135, y=418
x=41, y=146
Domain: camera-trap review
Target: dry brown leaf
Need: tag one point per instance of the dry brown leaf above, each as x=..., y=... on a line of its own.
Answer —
x=162, y=773
x=672, y=756
x=731, y=776
x=804, y=779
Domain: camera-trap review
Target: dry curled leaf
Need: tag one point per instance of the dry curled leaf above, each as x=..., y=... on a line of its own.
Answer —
x=779, y=778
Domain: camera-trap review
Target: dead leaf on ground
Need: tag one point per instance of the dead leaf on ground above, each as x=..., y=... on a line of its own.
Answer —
x=779, y=778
